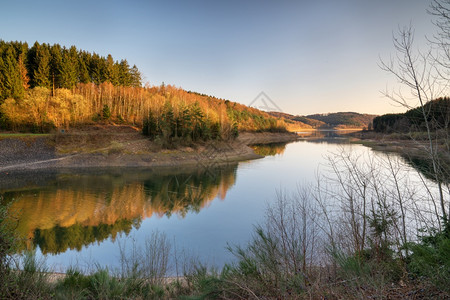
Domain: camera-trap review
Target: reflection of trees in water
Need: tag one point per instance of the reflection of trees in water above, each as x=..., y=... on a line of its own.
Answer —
x=78, y=209
x=326, y=136
x=425, y=166
x=58, y=239
x=269, y=149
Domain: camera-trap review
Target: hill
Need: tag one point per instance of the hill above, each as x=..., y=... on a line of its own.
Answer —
x=344, y=119
x=438, y=116
x=50, y=87
x=332, y=120
x=294, y=123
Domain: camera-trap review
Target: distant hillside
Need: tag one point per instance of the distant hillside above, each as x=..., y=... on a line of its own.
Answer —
x=311, y=122
x=344, y=119
x=438, y=116
x=292, y=121
x=331, y=120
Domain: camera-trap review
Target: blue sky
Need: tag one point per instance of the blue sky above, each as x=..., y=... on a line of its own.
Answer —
x=307, y=56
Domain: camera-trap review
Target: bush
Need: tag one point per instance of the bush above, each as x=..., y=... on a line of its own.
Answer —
x=430, y=259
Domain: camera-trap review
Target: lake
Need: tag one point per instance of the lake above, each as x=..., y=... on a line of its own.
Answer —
x=84, y=218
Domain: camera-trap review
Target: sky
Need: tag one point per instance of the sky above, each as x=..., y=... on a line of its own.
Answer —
x=307, y=56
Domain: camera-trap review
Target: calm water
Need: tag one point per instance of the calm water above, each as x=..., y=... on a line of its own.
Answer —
x=82, y=218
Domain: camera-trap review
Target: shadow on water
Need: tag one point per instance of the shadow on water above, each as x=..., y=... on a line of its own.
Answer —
x=65, y=210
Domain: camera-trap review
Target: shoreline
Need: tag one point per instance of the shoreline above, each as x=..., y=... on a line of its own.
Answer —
x=125, y=149
x=407, y=147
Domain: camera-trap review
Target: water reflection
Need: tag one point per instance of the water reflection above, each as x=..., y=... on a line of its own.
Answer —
x=327, y=136
x=270, y=149
x=74, y=210
x=424, y=165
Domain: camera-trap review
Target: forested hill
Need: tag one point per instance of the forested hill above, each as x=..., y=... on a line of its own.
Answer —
x=344, y=119
x=331, y=120
x=437, y=113
x=55, y=66
x=47, y=87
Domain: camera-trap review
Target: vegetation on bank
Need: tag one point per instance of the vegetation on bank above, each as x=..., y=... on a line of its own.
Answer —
x=437, y=114
x=165, y=112
x=49, y=87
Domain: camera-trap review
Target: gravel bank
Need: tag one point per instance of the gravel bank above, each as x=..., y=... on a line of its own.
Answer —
x=124, y=150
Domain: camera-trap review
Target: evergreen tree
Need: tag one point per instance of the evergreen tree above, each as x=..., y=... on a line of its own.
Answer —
x=55, y=66
x=10, y=75
x=135, y=77
x=68, y=69
x=83, y=64
x=21, y=50
x=96, y=69
x=42, y=65
x=111, y=71
x=124, y=73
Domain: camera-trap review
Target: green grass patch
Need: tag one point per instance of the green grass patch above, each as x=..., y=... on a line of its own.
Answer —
x=23, y=135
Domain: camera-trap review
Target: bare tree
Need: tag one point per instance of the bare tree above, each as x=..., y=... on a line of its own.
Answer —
x=424, y=75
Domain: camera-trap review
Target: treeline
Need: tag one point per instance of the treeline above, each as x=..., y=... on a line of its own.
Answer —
x=165, y=112
x=437, y=114
x=180, y=121
x=55, y=66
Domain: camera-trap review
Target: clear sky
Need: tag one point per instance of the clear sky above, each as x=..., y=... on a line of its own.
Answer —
x=308, y=56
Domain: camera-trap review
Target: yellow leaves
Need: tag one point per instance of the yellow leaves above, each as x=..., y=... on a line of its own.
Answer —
x=128, y=105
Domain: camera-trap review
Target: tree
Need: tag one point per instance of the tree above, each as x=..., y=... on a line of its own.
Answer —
x=68, y=68
x=42, y=66
x=55, y=66
x=135, y=77
x=111, y=71
x=96, y=67
x=424, y=74
x=124, y=73
x=10, y=75
x=83, y=63
x=441, y=10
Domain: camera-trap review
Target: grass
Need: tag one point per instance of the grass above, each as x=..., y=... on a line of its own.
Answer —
x=23, y=135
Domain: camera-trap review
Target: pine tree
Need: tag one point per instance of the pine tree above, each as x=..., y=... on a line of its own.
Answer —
x=96, y=69
x=68, y=68
x=11, y=77
x=135, y=77
x=55, y=66
x=111, y=71
x=83, y=64
x=42, y=67
x=124, y=73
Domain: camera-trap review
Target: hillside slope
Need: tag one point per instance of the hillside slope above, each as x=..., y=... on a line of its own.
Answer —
x=339, y=120
x=344, y=119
